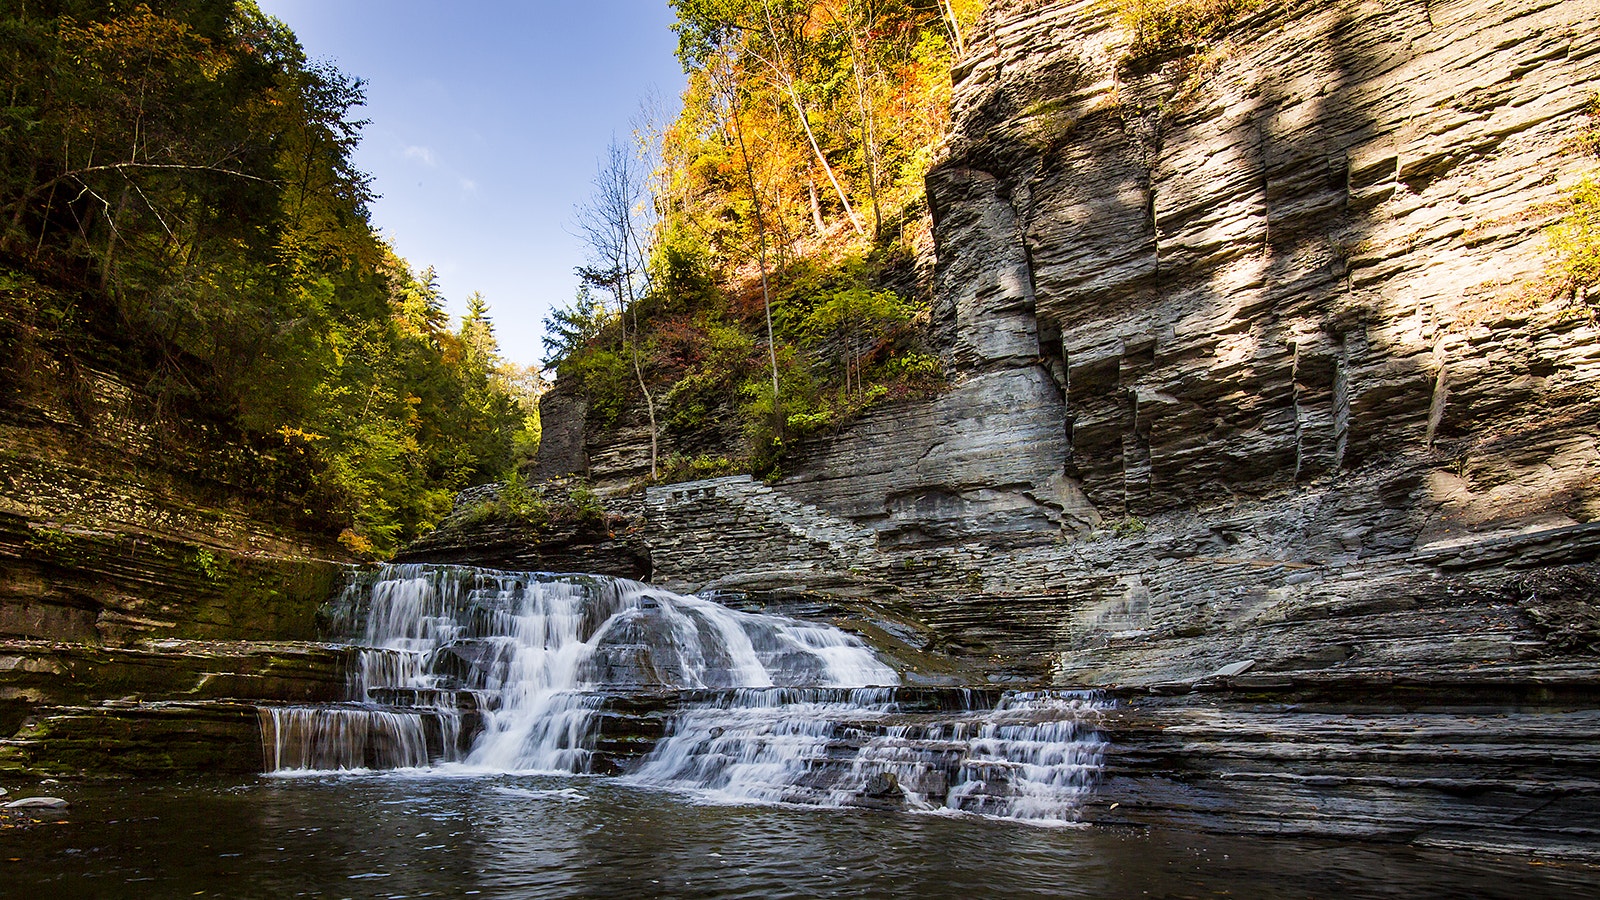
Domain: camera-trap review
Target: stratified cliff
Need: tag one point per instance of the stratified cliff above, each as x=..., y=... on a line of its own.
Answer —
x=122, y=520
x=1252, y=351
x=126, y=526
x=1264, y=414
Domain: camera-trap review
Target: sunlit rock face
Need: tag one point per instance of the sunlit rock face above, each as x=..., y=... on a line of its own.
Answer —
x=1299, y=253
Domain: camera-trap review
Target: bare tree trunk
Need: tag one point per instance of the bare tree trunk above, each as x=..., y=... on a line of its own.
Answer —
x=953, y=25
x=638, y=370
x=649, y=402
x=816, y=207
x=869, y=140
x=805, y=124
x=608, y=226
x=787, y=81
x=761, y=244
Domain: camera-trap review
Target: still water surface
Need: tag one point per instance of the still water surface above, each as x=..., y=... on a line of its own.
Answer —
x=404, y=835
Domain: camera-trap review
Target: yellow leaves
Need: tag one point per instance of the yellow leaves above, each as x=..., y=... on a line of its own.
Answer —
x=135, y=46
x=1576, y=237
x=356, y=543
x=1177, y=26
x=873, y=85
x=292, y=436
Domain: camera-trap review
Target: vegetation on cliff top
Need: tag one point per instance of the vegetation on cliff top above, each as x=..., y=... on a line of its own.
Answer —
x=177, y=182
x=753, y=277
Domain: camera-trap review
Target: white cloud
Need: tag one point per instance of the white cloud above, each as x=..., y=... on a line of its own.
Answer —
x=421, y=154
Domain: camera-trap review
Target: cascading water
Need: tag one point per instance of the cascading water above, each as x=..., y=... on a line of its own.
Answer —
x=1024, y=755
x=488, y=671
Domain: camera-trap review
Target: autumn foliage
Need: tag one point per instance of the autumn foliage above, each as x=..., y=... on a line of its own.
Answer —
x=789, y=188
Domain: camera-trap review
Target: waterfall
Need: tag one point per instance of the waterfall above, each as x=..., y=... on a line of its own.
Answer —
x=526, y=653
x=487, y=671
x=1029, y=756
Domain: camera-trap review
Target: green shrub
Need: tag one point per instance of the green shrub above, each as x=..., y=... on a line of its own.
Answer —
x=1576, y=238
x=679, y=467
x=584, y=508
x=608, y=383
x=1164, y=28
x=517, y=502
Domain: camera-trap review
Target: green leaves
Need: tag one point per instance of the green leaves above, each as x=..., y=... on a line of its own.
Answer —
x=1576, y=237
x=190, y=171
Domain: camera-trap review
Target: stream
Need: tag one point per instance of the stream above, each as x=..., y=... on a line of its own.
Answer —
x=424, y=834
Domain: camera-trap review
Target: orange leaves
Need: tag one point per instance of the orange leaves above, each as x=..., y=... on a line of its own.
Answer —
x=141, y=45
x=872, y=82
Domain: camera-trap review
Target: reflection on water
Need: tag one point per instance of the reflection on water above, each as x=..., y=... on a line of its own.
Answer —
x=404, y=835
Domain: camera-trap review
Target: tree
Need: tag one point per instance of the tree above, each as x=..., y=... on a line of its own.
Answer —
x=608, y=224
x=732, y=99
x=184, y=174
x=477, y=332
x=571, y=328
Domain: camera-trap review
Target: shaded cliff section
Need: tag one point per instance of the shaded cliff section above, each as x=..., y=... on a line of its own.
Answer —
x=155, y=582
x=125, y=516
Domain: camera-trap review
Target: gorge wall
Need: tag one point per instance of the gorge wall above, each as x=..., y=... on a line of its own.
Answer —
x=121, y=522
x=146, y=574
x=1265, y=417
x=1252, y=355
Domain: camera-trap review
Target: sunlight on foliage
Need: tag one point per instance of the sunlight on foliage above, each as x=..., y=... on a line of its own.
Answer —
x=1172, y=27
x=789, y=190
x=1576, y=238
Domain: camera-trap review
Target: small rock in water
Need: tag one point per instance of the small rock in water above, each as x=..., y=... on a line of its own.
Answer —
x=1232, y=669
x=38, y=803
x=883, y=784
x=49, y=781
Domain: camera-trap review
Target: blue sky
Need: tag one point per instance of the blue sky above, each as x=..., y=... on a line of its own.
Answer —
x=487, y=123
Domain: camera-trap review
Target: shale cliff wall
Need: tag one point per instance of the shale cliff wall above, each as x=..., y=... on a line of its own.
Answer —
x=1265, y=420
x=115, y=528
x=1252, y=356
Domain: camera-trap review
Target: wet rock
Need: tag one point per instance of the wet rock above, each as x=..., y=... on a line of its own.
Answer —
x=38, y=803
x=1232, y=669
x=882, y=786
x=1503, y=761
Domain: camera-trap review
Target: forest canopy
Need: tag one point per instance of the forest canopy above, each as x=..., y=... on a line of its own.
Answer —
x=177, y=178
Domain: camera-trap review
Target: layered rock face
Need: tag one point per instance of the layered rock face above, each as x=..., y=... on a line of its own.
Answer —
x=1267, y=321
x=110, y=532
x=1264, y=414
x=1253, y=357
x=141, y=580
x=167, y=707
x=1305, y=251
